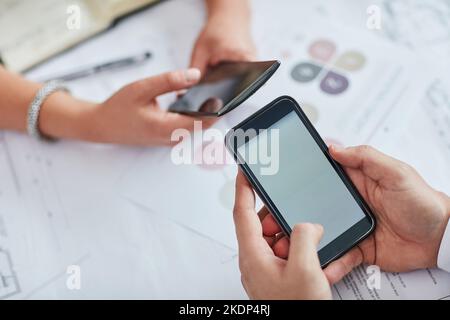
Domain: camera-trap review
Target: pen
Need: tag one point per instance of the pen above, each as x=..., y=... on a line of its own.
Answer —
x=108, y=66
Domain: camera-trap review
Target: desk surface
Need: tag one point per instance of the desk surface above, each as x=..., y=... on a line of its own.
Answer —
x=73, y=203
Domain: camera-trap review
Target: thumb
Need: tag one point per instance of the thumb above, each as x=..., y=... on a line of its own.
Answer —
x=304, y=240
x=371, y=162
x=199, y=60
x=341, y=267
x=167, y=82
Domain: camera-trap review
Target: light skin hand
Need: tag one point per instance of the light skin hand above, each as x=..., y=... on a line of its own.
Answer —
x=131, y=116
x=266, y=276
x=411, y=216
x=226, y=35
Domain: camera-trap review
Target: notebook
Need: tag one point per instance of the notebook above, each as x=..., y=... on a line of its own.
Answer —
x=33, y=31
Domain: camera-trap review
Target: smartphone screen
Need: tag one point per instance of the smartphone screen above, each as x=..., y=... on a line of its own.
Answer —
x=220, y=86
x=305, y=187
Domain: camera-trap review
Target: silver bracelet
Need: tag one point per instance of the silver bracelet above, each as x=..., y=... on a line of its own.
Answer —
x=35, y=108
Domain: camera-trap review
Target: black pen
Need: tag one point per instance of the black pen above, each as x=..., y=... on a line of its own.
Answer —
x=108, y=66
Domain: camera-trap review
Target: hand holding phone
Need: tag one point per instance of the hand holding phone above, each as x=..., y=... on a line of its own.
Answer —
x=412, y=227
x=224, y=87
x=402, y=243
x=266, y=276
x=303, y=183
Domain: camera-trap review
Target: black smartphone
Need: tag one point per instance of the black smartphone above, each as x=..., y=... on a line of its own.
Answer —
x=224, y=87
x=288, y=165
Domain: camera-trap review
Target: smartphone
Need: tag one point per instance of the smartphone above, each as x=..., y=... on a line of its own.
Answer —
x=301, y=182
x=224, y=87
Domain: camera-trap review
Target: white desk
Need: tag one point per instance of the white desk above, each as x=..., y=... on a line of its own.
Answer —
x=63, y=205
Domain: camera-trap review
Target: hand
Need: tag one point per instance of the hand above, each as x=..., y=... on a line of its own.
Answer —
x=266, y=276
x=222, y=39
x=131, y=116
x=411, y=216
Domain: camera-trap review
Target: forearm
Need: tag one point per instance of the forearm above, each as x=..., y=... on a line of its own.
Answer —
x=229, y=11
x=61, y=115
x=448, y=206
x=445, y=203
x=15, y=96
x=443, y=256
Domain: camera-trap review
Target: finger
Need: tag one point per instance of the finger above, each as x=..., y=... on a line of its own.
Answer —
x=199, y=60
x=181, y=93
x=270, y=226
x=270, y=240
x=304, y=240
x=281, y=247
x=341, y=267
x=167, y=82
x=360, y=180
x=232, y=55
x=263, y=213
x=372, y=162
x=247, y=224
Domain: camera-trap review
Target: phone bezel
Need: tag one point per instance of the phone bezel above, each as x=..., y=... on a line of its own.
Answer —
x=241, y=97
x=263, y=119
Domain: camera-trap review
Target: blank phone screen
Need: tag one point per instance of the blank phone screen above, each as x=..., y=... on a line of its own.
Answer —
x=305, y=188
x=220, y=86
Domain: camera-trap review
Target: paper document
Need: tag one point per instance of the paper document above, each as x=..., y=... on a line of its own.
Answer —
x=361, y=284
x=32, y=31
x=140, y=226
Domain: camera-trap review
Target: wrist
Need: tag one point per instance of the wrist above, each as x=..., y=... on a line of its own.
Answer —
x=447, y=201
x=443, y=254
x=444, y=201
x=63, y=116
x=233, y=13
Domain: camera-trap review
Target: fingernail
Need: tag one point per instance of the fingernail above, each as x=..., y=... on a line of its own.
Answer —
x=192, y=75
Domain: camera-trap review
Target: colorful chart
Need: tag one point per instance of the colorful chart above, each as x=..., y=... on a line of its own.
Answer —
x=311, y=112
x=306, y=72
x=334, y=83
x=322, y=50
x=351, y=61
x=323, y=53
